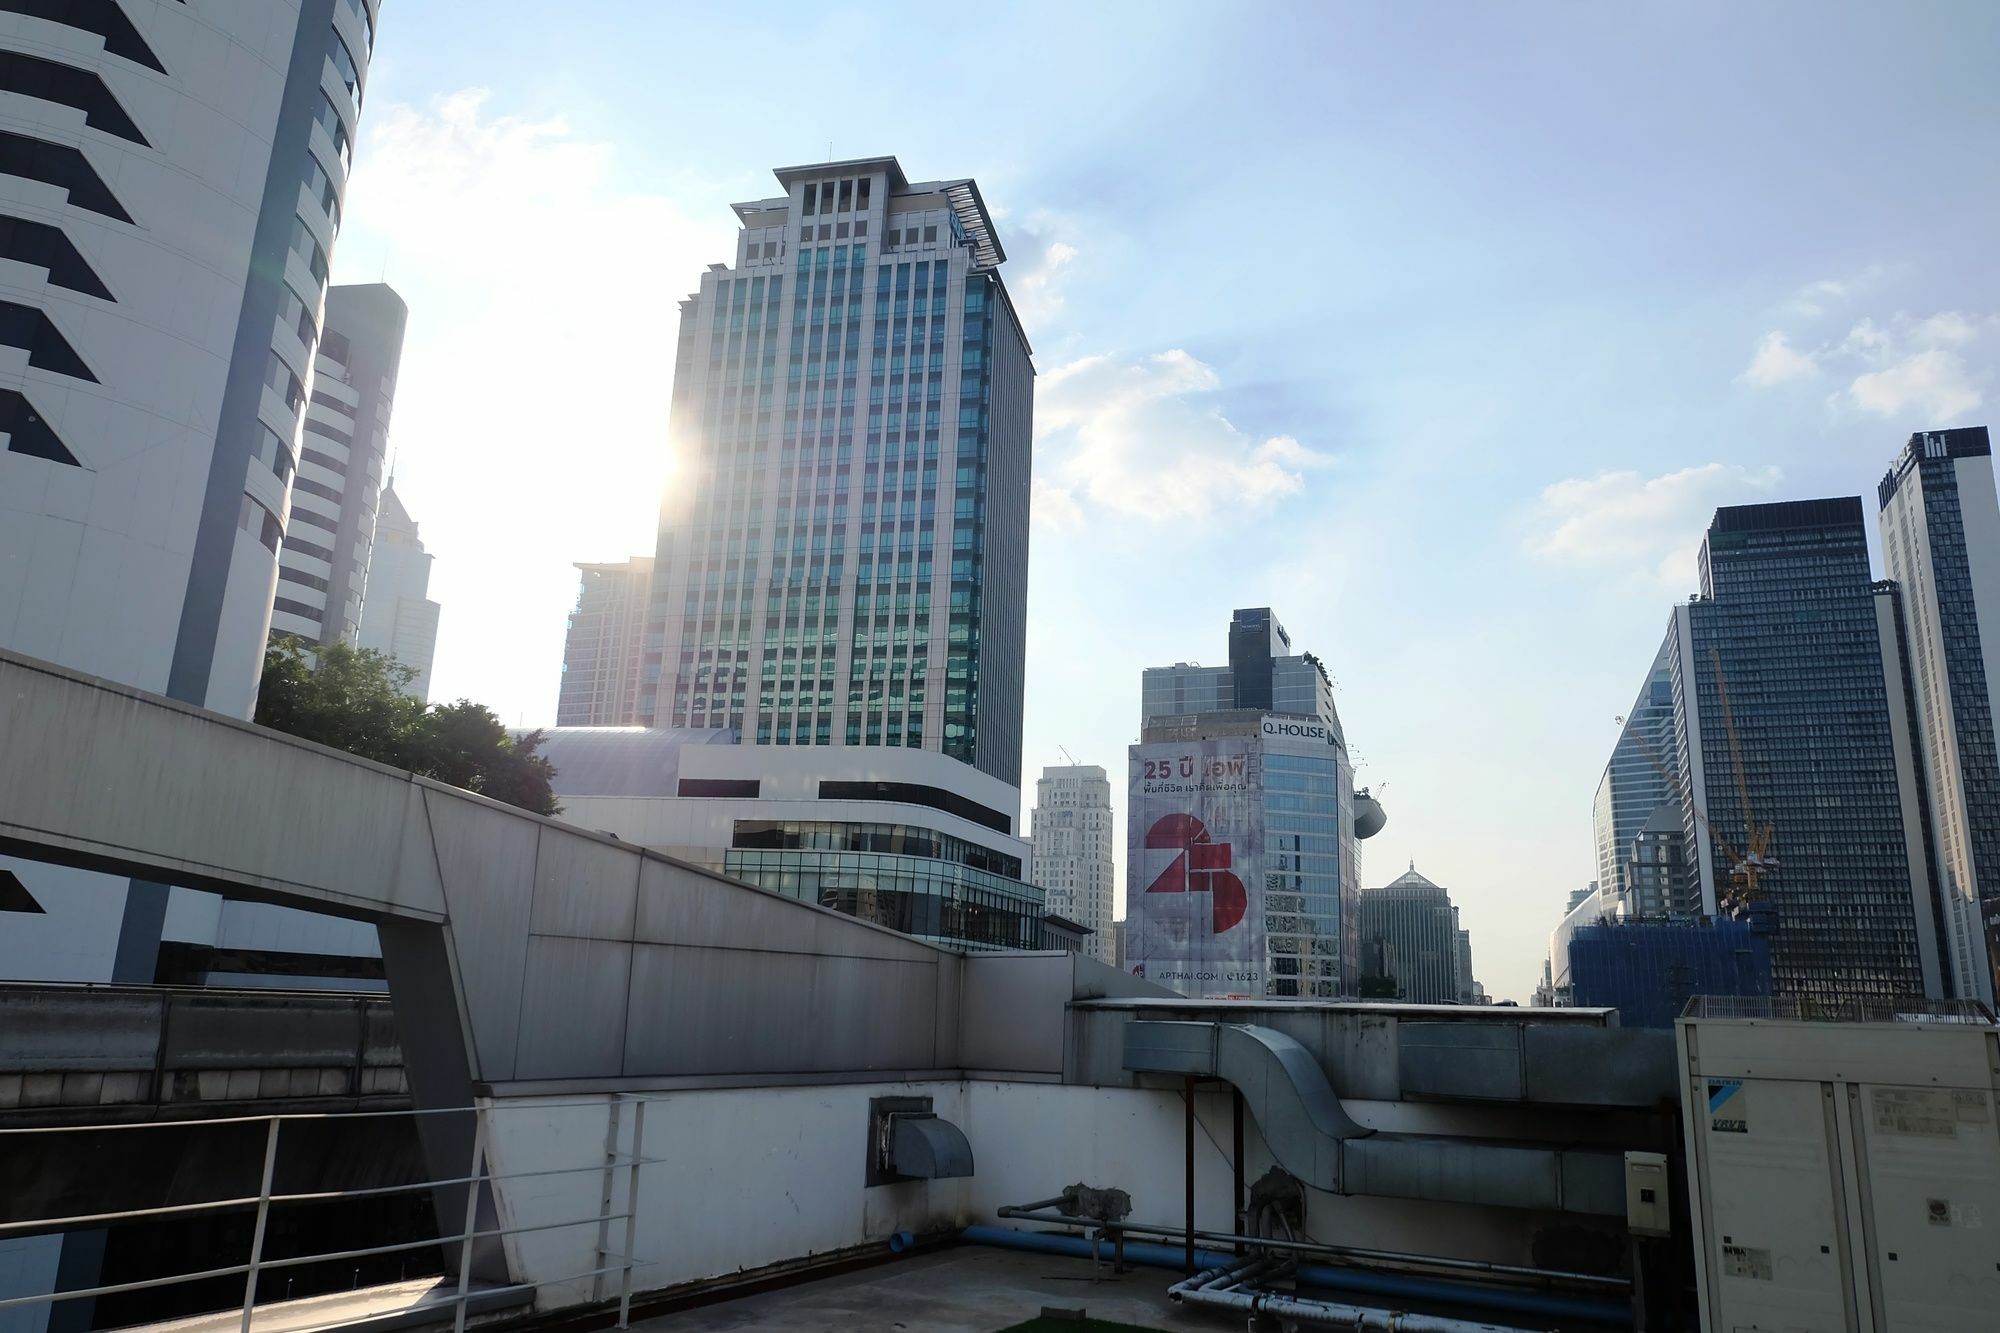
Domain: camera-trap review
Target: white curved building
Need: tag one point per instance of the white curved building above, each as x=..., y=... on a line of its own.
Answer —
x=171, y=179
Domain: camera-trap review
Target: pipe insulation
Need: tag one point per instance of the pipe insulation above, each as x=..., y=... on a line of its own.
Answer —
x=1392, y=1285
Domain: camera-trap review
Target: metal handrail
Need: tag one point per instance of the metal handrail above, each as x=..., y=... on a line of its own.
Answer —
x=478, y=1174
x=36, y=1225
x=203, y=1122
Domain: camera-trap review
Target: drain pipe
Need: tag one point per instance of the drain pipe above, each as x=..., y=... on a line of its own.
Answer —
x=1218, y=1294
x=1541, y=1304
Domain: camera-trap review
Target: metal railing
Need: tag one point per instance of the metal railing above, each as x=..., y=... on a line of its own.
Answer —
x=1811, y=1009
x=478, y=1177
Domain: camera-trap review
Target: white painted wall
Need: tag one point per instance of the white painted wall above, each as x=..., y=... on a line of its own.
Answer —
x=756, y=1176
x=748, y=1177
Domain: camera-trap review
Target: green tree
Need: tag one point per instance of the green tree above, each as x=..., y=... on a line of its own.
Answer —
x=352, y=699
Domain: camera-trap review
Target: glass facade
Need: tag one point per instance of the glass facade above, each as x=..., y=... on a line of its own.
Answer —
x=948, y=904
x=1311, y=872
x=1412, y=938
x=1940, y=523
x=1636, y=782
x=1790, y=626
x=823, y=561
x=1311, y=889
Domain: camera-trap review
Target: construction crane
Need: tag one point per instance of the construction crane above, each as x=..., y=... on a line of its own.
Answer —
x=1757, y=861
x=1748, y=867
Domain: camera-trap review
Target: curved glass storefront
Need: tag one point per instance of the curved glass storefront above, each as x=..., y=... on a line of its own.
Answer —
x=952, y=904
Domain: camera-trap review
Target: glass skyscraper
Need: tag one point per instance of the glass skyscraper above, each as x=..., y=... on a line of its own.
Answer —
x=1636, y=783
x=1940, y=525
x=843, y=548
x=1792, y=642
x=1275, y=708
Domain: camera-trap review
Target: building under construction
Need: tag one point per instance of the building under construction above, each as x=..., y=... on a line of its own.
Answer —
x=1794, y=743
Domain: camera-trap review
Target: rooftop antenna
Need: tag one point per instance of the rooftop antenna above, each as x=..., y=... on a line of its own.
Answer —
x=1067, y=755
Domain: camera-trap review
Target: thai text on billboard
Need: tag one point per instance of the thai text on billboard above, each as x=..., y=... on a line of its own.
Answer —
x=1194, y=851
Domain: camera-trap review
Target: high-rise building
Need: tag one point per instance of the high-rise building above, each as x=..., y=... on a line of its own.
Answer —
x=344, y=456
x=398, y=617
x=172, y=189
x=1263, y=673
x=1655, y=864
x=843, y=558
x=1586, y=906
x=1242, y=794
x=1468, y=987
x=1791, y=712
x=603, y=654
x=1072, y=863
x=1414, y=929
x=1940, y=525
x=1637, y=779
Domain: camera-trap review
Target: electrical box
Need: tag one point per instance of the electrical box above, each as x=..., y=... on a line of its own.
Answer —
x=1843, y=1176
x=1647, y=1210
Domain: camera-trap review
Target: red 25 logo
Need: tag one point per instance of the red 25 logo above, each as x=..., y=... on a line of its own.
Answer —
x=1202, y=866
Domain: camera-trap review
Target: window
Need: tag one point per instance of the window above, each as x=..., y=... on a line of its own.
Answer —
x=344, y=66
x=256, y=519
x=274, y=453
x=299, y=609
x=846, y=196
x=280, y=377
x=320, y=186
x=332, y=404
x=329, y=118
x=294, y=314
x=359, y=8
x=307, y=247
x=861, y=194
x=289, y=575
x=930, y=235
x=812, y=195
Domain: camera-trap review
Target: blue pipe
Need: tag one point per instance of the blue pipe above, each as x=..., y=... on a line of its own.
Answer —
x=1551, y=1305
x=901, y=1241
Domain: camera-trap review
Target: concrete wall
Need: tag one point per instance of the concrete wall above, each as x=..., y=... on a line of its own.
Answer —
x=747, y=1177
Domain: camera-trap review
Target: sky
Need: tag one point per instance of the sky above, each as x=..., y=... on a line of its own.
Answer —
x=1439, y=328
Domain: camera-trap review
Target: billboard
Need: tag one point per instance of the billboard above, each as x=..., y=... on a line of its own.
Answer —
x=1194, y=893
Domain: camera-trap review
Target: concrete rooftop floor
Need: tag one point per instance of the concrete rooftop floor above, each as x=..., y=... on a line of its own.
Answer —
x=964, y=1289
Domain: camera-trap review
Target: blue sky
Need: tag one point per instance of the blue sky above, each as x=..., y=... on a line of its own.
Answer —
x=1440, y=328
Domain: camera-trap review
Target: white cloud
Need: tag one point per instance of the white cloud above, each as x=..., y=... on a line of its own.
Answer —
x=1948, y=328
x=1912, y=368
x=1036, y=286
x=1931, y=387
x=1816, y=298
x=1631, y=521
x=1777, y=361
x=1137, y=438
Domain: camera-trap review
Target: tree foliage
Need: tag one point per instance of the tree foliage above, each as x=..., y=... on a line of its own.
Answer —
x=352, y=699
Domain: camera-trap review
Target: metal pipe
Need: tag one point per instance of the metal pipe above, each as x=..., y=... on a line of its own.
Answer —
x=1544, y=1276
x=1236, y=1154
x=1333, y=1314
x=1189, y=1169
x=1551, y=1305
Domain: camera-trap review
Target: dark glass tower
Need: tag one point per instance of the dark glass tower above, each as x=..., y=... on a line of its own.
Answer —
x=1793, y=643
